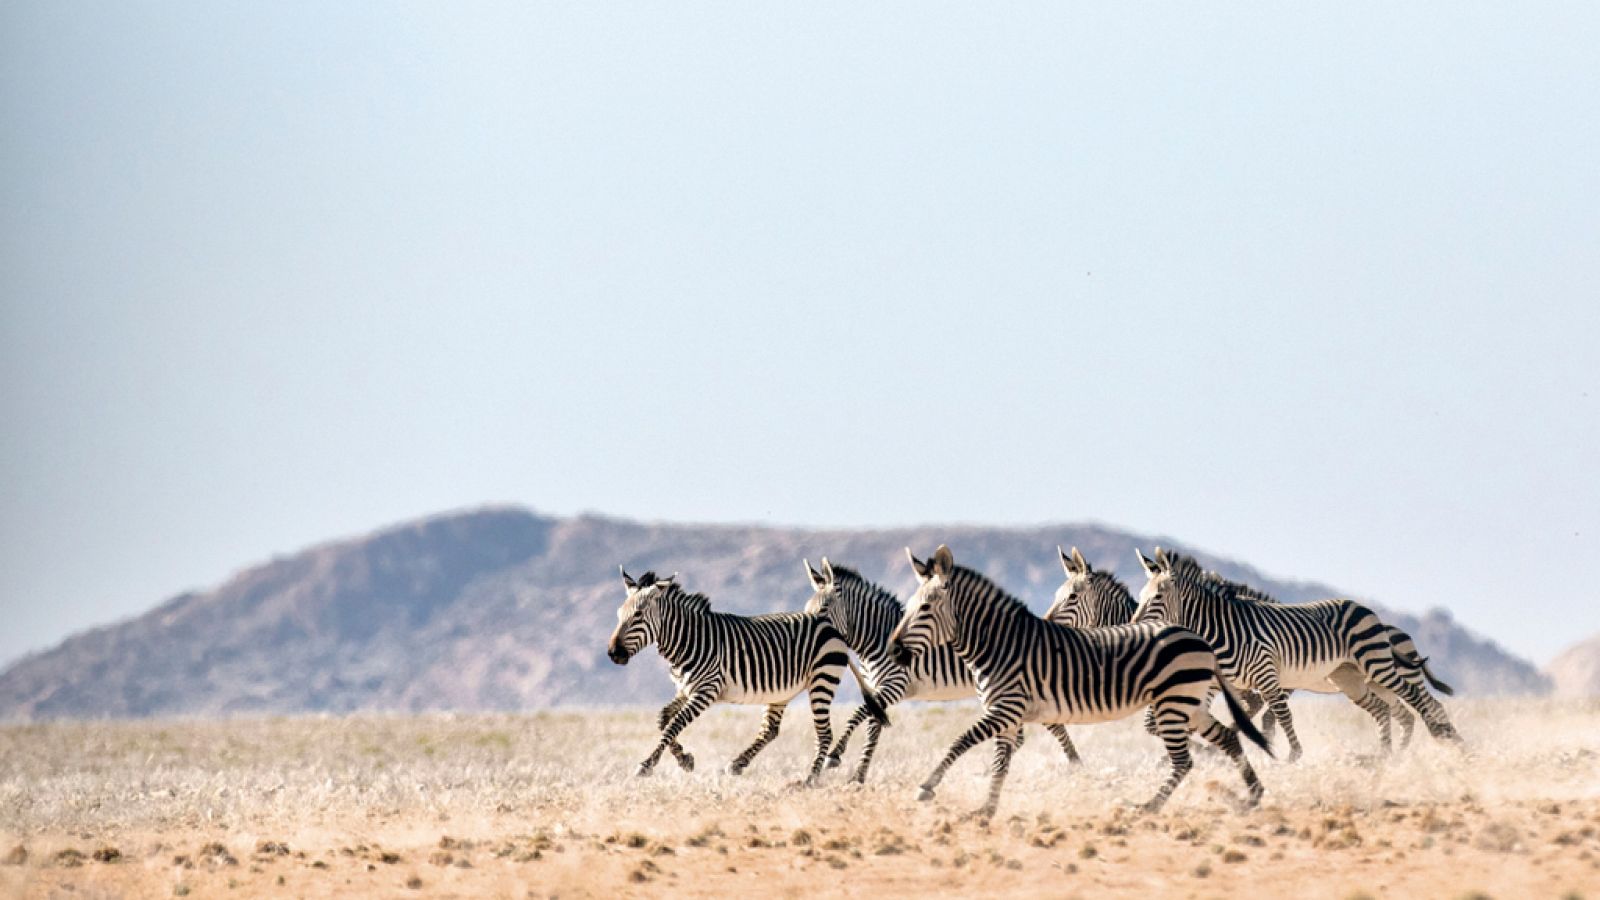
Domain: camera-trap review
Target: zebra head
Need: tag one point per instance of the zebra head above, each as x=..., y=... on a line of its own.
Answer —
x=638, y=618
x=1088, y=599
x=929, y=619
x=827, y=600
x=1160, y=592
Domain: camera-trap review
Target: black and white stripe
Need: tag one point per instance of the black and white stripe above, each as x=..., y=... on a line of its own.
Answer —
x=1273, y=648
x=724, y=658
x=1032, y=670
x=865, y=614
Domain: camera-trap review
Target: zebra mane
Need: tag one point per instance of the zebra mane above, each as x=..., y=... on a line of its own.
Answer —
x=1185, y=566
x=698, y=603
x=1239, y=590
x=1108, y=579
x=998, y=594
x=844, y=574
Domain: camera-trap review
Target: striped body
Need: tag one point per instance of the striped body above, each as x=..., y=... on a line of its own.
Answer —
x=723, y=658
x=1032, y=670
x=866, y=614
x=1272, y=648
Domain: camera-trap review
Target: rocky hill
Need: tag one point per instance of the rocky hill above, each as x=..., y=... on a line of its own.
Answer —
x=1575, y=672
x=506, y=609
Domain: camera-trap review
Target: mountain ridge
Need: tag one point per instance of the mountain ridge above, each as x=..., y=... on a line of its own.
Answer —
x=500, y=607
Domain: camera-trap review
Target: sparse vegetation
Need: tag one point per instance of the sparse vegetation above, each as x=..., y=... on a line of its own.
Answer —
x=308, y=807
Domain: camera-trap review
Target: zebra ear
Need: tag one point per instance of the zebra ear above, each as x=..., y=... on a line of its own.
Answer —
x=943, y=562
x=1151, y=568
x=918, y=567
x=827, y=570
x=817, y=581
x=1163, y=558
x=669, y=580
x=1083, y=564
x=627, y=580
x=1066, y=561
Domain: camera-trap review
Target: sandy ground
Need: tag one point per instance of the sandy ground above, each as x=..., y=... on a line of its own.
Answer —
x=546, y=805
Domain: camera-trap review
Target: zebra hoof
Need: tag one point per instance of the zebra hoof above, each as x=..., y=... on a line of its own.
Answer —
x=643, y=771
x=924, y=794
x=833, y=762
x=736, y=767
x=686, y=762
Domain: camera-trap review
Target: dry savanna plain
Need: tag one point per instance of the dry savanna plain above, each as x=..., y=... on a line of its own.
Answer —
x=546, y=805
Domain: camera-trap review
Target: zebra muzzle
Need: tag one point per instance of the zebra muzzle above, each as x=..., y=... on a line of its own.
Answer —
x=618, y=655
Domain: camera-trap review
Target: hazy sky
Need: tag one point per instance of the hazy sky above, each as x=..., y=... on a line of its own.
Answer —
x=1315, y=287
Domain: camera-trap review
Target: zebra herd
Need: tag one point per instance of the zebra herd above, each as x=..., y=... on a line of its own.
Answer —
x=1095, y=656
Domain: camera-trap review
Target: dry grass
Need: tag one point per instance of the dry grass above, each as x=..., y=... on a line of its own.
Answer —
x=545, y=804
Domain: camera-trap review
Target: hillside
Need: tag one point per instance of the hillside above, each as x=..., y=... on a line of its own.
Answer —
x=505, y=609
x=1575, y=672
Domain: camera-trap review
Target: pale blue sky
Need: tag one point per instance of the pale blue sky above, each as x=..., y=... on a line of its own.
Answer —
x=1316, y=287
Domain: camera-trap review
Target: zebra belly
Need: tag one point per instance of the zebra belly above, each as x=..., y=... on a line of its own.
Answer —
x=932, y=691
x=1312, y=678
x=735, y=693
x=1043, y=710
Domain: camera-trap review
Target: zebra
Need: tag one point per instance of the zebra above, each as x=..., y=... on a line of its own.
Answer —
x=864, y=614
x=1031, y=670
x=1408, y=663
x=1089, y=598
x=1270, y=648
x=724, y=658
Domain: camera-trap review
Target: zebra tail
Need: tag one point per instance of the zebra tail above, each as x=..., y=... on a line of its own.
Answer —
x=1241, y=719
x=870, y=698
x=1438, y=685
x=1421, y=662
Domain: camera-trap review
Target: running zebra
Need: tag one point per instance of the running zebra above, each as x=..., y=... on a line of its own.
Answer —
x=723, y=658
x=1031, y=670
x=1410, y=666
x=1094, y=599
x=864, y=614
x=1270, y=648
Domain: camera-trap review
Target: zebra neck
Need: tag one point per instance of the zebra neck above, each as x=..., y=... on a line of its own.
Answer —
x=682, y=631
x=979, y=634
x=1207, y=616
x=870, y=627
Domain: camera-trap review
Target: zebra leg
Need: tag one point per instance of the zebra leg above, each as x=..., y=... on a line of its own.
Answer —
x=891, y=690
x=1059, y=731
x=874, y=729
x=1349, y=682
x=1253, y=704
x=993, y=721
x=684, y=758
x=1432, y=713
x=1150, y=721
x=1397, y=712
x=1278, y=701
x=835, y=756
x=693, y=706
x=1171, y=720
x=822, y=687
x=769, y=730
x=1228, y=739
x=1005, y=744
x=1408, y=722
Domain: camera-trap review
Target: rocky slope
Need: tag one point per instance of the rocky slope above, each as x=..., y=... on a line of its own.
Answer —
x=505, y=609
x=1575, y=672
